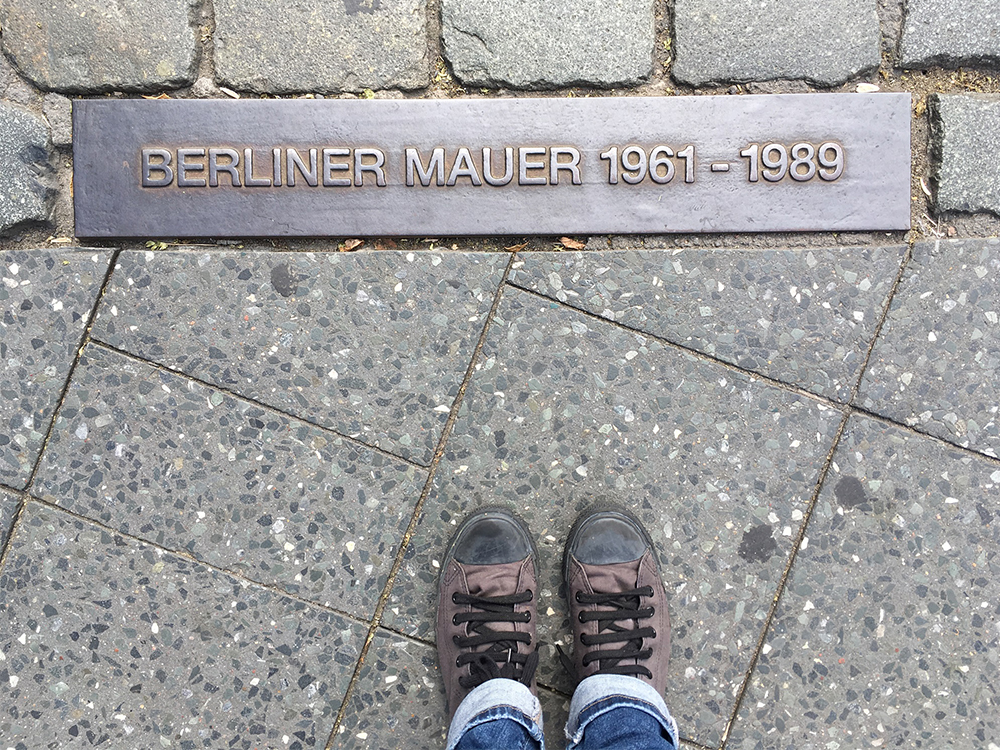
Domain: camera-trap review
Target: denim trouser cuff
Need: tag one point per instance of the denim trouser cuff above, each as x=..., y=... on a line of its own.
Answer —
x=601, y=693
x=513, y=698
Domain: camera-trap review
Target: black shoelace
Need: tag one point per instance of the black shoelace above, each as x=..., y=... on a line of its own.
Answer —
x=626, y=607
x=502, y=657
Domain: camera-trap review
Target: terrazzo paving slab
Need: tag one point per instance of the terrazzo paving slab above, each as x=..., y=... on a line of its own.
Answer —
x=950, y=33
x=887, y=633
x=399, y=701
x=90, y=46
x=155, y=455
x=114, y=643
x=373, y=345
x=25, y=150
x=744, y=40
x=528, y=44
x=803, y=317
x=46, y=298
x=8, y=509
x=331, y=45
x=965, y=137
x=936, y=364
x=565, y=410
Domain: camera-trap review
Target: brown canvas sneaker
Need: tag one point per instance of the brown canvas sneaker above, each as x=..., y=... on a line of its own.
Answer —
x=617, y=603
x=487, y=605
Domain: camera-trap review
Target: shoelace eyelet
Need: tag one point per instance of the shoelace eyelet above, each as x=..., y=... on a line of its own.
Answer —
x=454, y=597
x=577, y=597
x=454, y=619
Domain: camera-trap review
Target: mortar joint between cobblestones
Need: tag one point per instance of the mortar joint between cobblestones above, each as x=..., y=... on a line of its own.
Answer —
x=72, y=368
x=254, y=402
x=418, y=508
x=204, y=15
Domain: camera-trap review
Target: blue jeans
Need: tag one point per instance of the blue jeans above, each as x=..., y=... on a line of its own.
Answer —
x=608, y=712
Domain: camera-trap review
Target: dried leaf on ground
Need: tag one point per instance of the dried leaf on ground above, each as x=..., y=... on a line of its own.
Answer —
x=385, y=245
x=572, y=244
x=161, y=96
x=349, y=245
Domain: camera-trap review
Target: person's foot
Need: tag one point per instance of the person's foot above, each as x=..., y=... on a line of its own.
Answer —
x=487, y=605
x=617, y=603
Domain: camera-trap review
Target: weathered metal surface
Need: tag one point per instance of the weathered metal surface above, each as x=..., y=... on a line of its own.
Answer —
x=491, y=167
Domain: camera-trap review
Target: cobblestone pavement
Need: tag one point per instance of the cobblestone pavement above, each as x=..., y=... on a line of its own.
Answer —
x=228, y=471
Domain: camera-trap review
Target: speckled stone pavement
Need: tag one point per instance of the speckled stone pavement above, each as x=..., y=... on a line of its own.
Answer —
x=227, y=479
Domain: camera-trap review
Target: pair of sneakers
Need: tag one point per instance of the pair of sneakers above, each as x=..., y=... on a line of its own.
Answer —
x=487, y=602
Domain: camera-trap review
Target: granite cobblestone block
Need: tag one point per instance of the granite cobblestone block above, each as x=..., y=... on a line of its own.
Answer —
x=950, y=33
x=741, y=40
x=802, y=317
x=536, y=45
x=107, y=641
x=565, y=411
x=90, y=46
x=373, y=345
x=936, y=364
x=25, y=168
x=325, y=46
x=965, y=139
x=46, y=298
x=186, y=467
x=886, y=634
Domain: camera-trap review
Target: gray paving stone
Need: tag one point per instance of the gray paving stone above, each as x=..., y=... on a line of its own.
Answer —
x=46, y=297
x=950, y=33
x=331, y=45
x=965, y=133
x=936, y=365
x=566, y=410
x=89, y=46
x=184, y=466
x=802, y=317
x=398, y=701
x=529, y=44
x=371, y=345
x=25, y=151
x=886, y=635
x=8, y=509
x=59, y=112
x=110, y=642
x=744, y=40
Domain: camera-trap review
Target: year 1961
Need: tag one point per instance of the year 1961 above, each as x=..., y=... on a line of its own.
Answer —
x=772, y=162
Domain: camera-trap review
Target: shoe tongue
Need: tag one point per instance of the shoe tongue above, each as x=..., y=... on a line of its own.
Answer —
x=493, y=580
x=607, y=579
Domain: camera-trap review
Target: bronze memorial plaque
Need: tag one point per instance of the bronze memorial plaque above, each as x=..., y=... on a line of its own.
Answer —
x=278, y=168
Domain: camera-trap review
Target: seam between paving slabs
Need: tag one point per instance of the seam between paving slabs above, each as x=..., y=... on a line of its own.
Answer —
x=418, y=509
x=23, y=494
x=258, y=404
x=848, y=410
x=13, y=524
x=790, y=387
x=72, y=368
x=273, y=588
